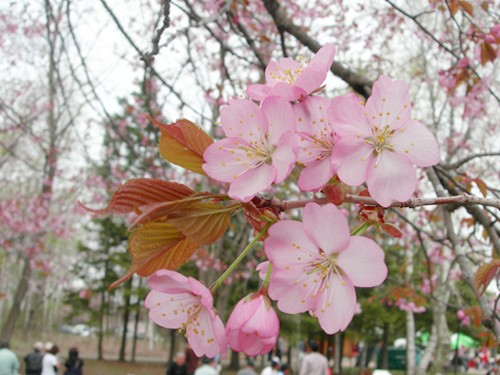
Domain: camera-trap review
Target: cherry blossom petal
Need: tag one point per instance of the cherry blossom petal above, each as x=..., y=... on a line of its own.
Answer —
x=279, y=116
x=393, y=178
x=315, y=176
x=168, y=281
x=311, y=79
x=206, y=335
x=244, y=309
x=323, y=59
x=336, y=307
x=262, y=269
x=225, y=160
x=315, y=73
x=258, y=91
x=282, y=71
x=288, y=244
x=166, y=310
x=284, y=157
x=389, y=103
x=326, y=226
x=288, y=92
x=348, y=117
x=262, y=320
x=353, y=158
x=242, y=118
x=206, y=298
x=417, y=143
x=252, y=182
x=287, y=288
x=363, y=262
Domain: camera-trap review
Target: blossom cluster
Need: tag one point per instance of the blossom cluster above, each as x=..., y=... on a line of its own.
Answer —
x=315, y=264
x=377, y=143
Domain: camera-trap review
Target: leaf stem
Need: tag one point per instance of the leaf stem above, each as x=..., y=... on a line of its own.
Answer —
x=238, y=260
x=265, y=285
x=360, y=229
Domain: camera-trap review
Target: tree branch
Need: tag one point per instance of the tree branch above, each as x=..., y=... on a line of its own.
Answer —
x=463, y=161
x=462, y=199
x=358, y=83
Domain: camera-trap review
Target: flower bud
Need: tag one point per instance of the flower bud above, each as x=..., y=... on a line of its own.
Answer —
x=253, y=326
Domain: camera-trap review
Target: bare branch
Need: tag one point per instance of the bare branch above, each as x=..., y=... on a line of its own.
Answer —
x=149, y=57
x=358, y=83
x=463, y=161
x=462, y=200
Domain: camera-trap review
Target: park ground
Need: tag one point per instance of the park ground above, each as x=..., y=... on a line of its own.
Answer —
x=151, y=359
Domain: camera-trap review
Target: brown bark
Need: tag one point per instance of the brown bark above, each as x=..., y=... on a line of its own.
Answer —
x=22, y=287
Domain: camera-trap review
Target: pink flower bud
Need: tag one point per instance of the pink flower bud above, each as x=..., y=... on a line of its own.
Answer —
x=253, y=326
x=460, y=314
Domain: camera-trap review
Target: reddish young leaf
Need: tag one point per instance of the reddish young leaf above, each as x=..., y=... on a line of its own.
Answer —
x=482, y=186
x=183, y=143
x=391, y=230
x=162, y=210
x=203, y=223
x=335, y=193
x=485, y=274
x=467, y=7
x=134, y=194
x=488, y=53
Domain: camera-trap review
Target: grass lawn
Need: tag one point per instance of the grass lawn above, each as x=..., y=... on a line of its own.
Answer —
x=94, y=367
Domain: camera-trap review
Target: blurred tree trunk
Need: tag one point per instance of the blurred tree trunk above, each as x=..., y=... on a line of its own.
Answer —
x=385, y=347
x=337, y=356
x=410, y=323
x=126, y=315
x=442, y=351
x=173, y=339
x=428, y=353
x=102, y=310
x=136, y=321
x=234, y=364
x=22, y=287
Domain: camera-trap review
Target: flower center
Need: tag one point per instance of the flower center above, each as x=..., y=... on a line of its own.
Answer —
x=289, y=75
x=259, y=152
x=381, y=139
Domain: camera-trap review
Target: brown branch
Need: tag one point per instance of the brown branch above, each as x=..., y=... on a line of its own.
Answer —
x=358, y=83
x=149, y=57
x=488, y=319
x=476, y=212
x=462, y=199
x=463, y=161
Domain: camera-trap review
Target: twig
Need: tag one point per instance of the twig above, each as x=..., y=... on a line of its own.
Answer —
x=463, y=200
x=358, y=83
x=463, y=161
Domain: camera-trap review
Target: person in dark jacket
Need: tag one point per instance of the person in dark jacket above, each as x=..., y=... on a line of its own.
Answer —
x=178, y=366
x=74, y=363
x=33, y=361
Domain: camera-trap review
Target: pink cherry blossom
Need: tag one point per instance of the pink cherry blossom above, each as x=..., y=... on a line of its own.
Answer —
x=253, y=326
x=259, y=150
x=315, y=138
x=182, y=302
x=380, y=143
x=317, y=264
x=292, y=80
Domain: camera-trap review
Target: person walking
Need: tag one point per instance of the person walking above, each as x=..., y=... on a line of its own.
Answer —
x=178, y=366
x=208, y=367
x=249, y=368
x=74, y=363
x=314, y=363
x=9, y=364
x=33, y=360
x=50, y=363
x=192, y=361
